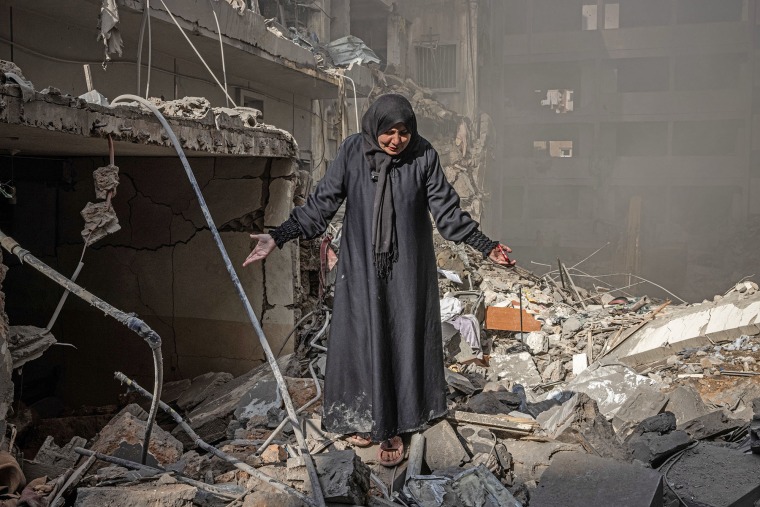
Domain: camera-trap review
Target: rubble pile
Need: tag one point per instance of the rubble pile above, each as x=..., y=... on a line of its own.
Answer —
x=550, y=404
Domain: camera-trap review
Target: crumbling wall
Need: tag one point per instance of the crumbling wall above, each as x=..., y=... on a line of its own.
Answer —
x=164, y=265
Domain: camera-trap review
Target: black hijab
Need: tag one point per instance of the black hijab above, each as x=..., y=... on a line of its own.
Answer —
x=384, y=113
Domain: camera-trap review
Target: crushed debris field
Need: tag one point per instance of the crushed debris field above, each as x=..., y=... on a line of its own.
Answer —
x=168, y=372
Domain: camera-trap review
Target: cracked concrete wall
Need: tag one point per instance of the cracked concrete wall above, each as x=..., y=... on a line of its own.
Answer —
x=164, y=265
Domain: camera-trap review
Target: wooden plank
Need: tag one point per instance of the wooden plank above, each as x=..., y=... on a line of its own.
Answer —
x=508, y=319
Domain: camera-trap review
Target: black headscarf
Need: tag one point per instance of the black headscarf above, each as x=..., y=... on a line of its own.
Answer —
x=384, y=113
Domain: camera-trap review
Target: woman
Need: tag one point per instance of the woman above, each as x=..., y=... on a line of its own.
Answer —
x=384, y=373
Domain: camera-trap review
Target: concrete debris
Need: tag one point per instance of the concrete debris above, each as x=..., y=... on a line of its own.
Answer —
x=443, y=449
x=100, y=220
x=27, y=343
x=343, y=476
x=567, y=397
x=476, y=487
x=579, y=480
x=167, y=495
x=123, y=436
x=199, y=389
x=579, y=421
x=713, y=476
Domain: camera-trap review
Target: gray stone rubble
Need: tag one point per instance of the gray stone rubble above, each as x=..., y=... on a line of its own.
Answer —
x=525, y=427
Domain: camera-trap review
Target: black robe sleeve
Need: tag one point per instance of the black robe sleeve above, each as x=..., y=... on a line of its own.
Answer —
x=313, y=217
x=452, y=222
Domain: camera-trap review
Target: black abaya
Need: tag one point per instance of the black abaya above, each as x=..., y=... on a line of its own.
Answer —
x=385, y=361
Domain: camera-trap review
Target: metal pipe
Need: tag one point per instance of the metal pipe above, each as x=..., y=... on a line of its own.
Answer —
x=303, y=450
x=130, y=320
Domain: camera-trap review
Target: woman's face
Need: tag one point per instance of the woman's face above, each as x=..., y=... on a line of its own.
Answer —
x=395, y=140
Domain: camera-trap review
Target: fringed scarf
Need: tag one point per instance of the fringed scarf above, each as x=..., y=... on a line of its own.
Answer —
x=384, y=113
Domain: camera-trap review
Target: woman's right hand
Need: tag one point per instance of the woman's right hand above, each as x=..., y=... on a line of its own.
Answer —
x=264, y=246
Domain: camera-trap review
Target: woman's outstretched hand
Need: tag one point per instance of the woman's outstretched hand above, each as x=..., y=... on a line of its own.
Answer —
x=264, y=246
x=499, y=255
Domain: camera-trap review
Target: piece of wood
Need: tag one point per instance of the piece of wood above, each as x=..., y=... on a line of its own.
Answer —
x=507, y=424
x=508, y=319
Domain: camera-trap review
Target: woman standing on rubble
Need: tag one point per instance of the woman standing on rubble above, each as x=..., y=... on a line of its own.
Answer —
x=384, y=373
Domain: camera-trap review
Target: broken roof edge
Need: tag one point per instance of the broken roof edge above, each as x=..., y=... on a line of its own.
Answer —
x=136, y=130
x=246, y=31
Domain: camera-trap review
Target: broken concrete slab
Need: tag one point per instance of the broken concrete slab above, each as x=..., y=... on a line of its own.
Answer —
x=518, y=368
x=259, y=400
x=210, y=418
x=580, y=480
x=712, y=425
x=655, y=448
x=271, y=499
x=459, y=382
x=640, y=406
x=686, y=404
x=611, y=386
x=171, y=391
x=200, y=387
x=713, y=322
x=165, y=495
x=343, y=476
x=700, y=481
x=123, y=437
x=531, y=459
x=579, y=421
x=443, y=449
x=475, y=487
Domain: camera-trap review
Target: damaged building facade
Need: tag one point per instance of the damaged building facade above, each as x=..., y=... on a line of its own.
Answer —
x=628, y=122
x=162, y=264
x=558, y=394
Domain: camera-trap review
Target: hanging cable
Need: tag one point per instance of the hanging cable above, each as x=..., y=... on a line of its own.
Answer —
x=197, y=53
x=353, y=85
x=302, y=447
x=221, y=49
x=150, y=50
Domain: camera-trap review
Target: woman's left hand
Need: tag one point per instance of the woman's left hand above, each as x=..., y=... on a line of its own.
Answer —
x=499, y=255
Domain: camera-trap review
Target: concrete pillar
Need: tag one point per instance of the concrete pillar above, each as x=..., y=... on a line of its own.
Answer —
x=319, y=22
x=340, y=26
x=398, y=45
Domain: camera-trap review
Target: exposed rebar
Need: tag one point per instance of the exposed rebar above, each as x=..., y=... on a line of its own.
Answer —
x=130, y=320
x=302, y=447
x=210, y=448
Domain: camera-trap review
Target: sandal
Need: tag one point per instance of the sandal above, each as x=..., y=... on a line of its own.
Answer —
x=391, y=452
x=358, y=440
